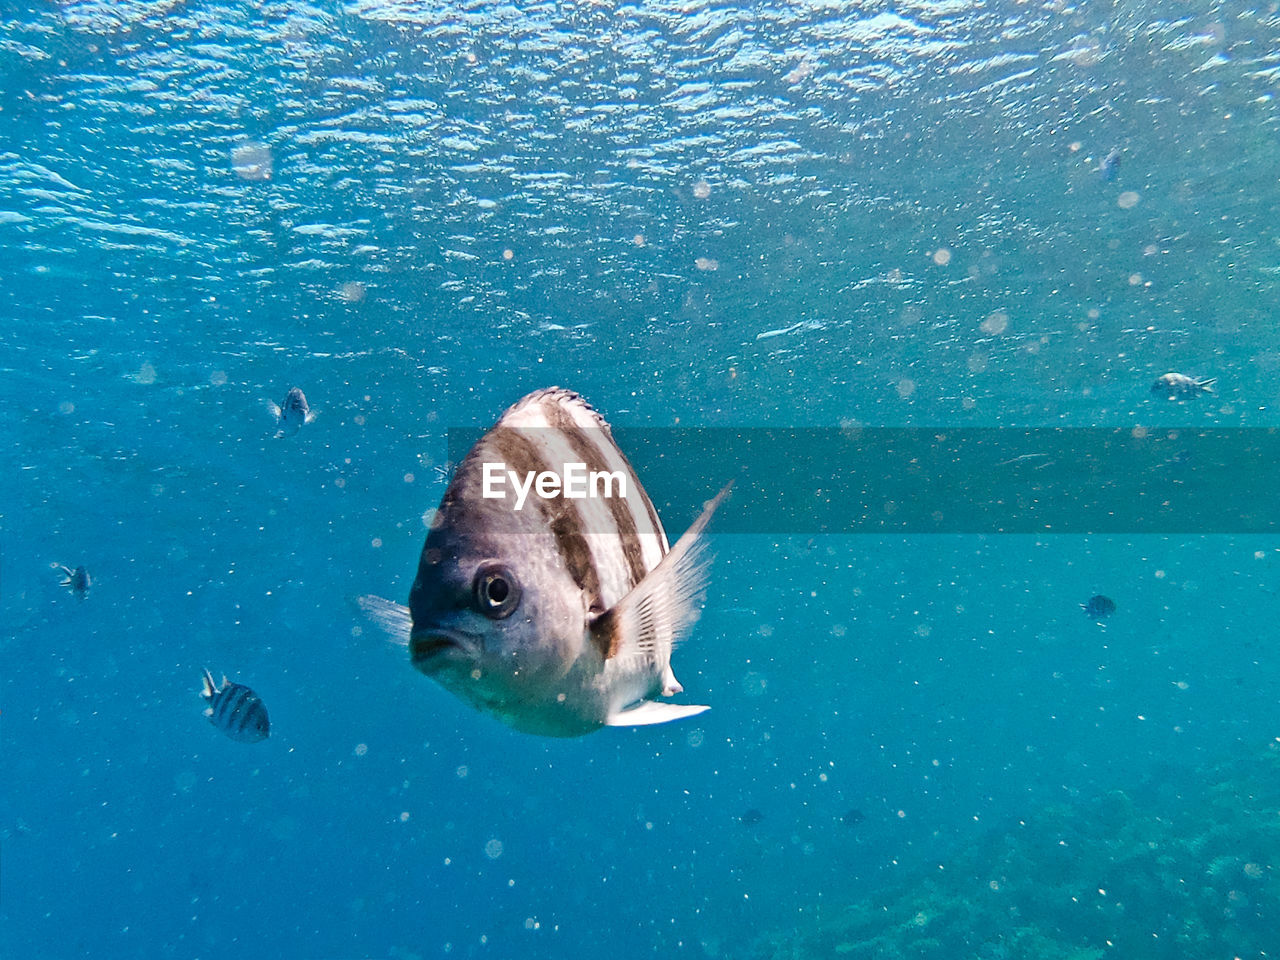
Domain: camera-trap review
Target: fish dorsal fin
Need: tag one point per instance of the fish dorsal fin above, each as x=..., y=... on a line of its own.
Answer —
x=648, y=712
x=589, y=415
x=662, y=606
x=210, y=688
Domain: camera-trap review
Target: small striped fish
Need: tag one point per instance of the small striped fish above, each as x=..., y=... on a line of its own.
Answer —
x=236, y=710
x=293, y=414
x=557, y=614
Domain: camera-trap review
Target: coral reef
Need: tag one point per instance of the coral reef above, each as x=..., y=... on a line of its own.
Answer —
x=1183, y=866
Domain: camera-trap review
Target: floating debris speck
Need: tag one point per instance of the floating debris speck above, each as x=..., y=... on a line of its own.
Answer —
x=252, y=161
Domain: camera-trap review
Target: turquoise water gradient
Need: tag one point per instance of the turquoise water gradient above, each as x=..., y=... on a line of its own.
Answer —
x=774, y=214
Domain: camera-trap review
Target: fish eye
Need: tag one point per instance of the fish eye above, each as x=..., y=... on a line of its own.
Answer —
x=497, y=591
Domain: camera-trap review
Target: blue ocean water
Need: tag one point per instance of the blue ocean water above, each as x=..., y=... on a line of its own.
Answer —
x=696, y=214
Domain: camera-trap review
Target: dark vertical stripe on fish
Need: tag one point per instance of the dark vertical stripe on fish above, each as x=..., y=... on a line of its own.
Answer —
x=221, y=701
x=247, y=714
x=561, y=515
x=603, y=631
x=241, y=714
x=232, y=697
x=590, y=452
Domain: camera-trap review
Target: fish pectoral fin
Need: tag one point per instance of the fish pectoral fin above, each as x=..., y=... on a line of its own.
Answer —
x=648, y=712
x=661, y=607
x=393, y=621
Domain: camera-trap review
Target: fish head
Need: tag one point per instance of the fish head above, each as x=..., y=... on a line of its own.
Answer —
x=295, y=404
x=497, y=619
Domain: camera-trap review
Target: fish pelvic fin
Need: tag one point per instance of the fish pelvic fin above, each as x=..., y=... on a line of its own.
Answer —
x=392, y=621
x=664, y=605
x=648, y=712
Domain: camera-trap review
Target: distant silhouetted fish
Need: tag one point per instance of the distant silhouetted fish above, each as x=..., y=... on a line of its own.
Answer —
x=77, y=580
x=1110, y=165
x=1099, y=607
x=236, y=710
x=750, y=817
x=852, y=817
x=293, y=414
x=1178, y=386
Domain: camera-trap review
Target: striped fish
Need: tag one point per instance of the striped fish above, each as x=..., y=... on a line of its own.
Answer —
x=236, y=710
x=557, y=614
x=293, y=414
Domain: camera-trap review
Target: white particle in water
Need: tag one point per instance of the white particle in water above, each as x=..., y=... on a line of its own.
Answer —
x=252, y=161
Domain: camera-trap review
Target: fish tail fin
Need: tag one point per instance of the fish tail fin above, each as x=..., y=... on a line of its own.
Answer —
x=392, y=620
x=1207, y=385
x=210, y=688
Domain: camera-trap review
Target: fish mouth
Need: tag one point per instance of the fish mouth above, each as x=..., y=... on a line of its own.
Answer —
x=429, y=649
